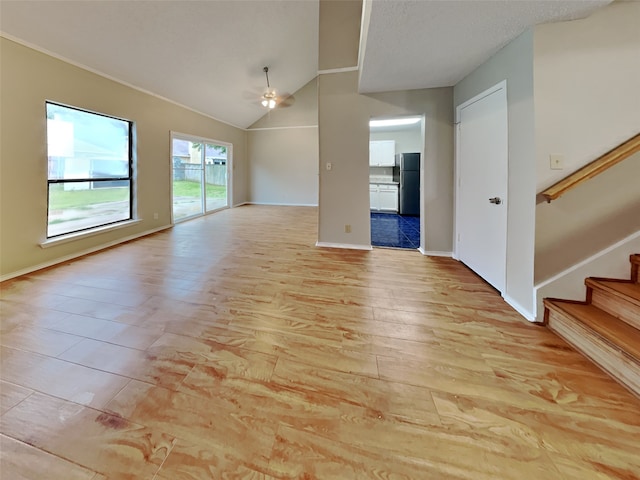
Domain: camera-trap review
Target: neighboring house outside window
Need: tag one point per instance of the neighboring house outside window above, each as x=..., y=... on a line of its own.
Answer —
x=90, y=170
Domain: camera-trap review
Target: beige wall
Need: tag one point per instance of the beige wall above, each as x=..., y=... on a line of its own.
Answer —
x=339, y=33
x=435, y=104
x=344, y=142
x=301, y=110
x=343, y=120
x=28, y=78
x=343, y=135
x=587, y=77
x=572, y=90
x=588, y=219
x=284, y=166
x=283, y=152
x=515, y=64
x=611, y=263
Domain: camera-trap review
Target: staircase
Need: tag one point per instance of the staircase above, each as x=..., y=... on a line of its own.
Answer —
x=606, y=327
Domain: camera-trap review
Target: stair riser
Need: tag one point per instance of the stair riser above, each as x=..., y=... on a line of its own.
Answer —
x=616, y=306
x=624, y=369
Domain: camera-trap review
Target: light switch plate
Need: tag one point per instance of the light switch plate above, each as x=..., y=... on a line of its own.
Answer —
x=556, y=162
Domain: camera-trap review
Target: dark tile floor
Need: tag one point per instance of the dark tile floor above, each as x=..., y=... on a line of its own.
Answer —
x=392, y=230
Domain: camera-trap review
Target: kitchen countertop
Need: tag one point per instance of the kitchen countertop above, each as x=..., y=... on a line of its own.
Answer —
x=382, y=182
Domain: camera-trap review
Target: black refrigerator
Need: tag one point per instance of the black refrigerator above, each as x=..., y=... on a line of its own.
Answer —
x=407, y=174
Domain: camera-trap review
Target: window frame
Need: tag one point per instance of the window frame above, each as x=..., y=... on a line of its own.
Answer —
x=130, y=178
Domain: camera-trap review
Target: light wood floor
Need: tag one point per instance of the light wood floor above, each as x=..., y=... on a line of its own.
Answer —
x=230, y=347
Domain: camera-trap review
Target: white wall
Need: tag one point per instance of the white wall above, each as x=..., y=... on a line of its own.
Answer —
x=514, y=63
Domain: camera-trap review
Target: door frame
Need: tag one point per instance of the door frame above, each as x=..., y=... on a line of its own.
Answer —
x=423, y=121
x=198, y=139
x=456, y=197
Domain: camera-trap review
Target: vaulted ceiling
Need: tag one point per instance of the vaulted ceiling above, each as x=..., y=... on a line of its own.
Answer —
x=208, y=55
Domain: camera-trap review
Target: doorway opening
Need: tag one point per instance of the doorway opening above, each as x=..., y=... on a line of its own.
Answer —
x=396, y=145
x=200, y=178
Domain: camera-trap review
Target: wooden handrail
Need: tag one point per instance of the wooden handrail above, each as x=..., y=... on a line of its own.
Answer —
x=599, y=165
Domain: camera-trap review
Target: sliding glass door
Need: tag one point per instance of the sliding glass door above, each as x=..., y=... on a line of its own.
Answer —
x=215, y=177
x=200, y=176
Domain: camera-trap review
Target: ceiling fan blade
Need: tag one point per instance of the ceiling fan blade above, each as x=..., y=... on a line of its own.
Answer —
x=286, y=100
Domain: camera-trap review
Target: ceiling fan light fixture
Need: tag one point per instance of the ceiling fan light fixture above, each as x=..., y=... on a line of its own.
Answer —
x=268, y=102
x=269, y=96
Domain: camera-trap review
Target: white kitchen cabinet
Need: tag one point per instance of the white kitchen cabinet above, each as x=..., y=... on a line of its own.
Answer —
x=373, y=196
x=383, y=197
x=382, y=153
x=388, y=197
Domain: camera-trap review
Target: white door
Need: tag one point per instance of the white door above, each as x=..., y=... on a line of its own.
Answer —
x=481, y=200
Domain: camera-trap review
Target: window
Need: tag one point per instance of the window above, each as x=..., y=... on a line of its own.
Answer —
x=90, y=170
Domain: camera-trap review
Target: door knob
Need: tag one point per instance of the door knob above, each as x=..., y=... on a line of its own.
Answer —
x=495, y=200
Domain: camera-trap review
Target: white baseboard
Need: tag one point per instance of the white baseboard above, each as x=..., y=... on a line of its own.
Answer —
x=82, y=253
x=350, y=246
x=589, y=260
x=282, y=204
x=526, y=313
x=435, y=253
x=612, y=262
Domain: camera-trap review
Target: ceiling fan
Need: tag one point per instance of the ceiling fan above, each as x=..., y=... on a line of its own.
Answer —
x=270, y=99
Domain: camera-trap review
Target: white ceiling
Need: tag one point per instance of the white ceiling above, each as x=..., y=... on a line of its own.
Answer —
x=208, y=55
x=413, y=44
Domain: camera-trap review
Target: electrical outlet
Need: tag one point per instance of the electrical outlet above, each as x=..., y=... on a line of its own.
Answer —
x=347, y=228
x=155, y=216
x=329, y=166
x=556, y=162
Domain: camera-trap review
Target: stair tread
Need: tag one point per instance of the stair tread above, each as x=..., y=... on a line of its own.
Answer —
x=627, y=288
x=616, y=331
